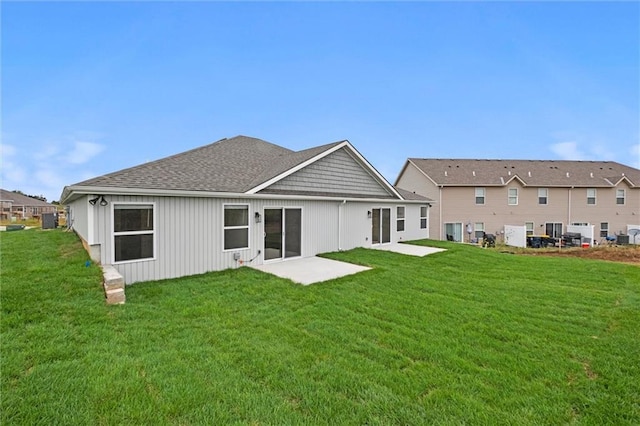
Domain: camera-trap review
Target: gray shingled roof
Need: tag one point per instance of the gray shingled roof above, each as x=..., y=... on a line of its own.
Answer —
x=22, y=200
x=409, y=195
x=540, y=173
x=233, y=165
x=229, y=165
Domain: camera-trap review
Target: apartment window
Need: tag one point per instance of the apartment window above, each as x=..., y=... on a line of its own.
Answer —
x=620, y=196
x=479, y=229
x=400, y=218
x=529, y=228
x=480, y=195
x=591, y=196
x=133, y=232
x=604, y=229
x=423, y=217
x=543, y=196
x=513, y=196
x=236, y=227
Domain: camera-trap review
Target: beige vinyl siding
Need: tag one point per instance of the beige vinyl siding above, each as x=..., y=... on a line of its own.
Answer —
x=415, y=181
x=338, y=173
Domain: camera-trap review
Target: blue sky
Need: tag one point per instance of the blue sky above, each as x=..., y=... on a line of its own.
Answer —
x=90, y=88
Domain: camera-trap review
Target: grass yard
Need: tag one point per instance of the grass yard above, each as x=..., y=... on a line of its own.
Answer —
x=466, y=336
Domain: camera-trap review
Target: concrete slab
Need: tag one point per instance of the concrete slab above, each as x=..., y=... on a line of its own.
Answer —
x=310, y=270
x=409, y=249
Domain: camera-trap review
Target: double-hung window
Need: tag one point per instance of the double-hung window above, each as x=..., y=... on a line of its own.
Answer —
x=543, y=196
x=604, y=229
x=620, y=196
x=236, y=226
x=479, y=230
x=133, y=232
x=480, y=194
x=400, y=218
x=513, y=196
x=591, y=196
x=529, y=228
x=423, y=217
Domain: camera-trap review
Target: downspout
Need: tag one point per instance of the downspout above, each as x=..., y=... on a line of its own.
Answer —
x=569, y=207
x=440, y=210
x=340, y=224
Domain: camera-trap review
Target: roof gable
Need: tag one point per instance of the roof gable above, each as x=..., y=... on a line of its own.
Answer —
x=335, y=172
x=21, y=200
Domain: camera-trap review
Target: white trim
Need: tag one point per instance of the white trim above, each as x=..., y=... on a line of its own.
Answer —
x=403, y=219
x=154, y=231
x=283, y=209
x=248, y=226
x=214, y=194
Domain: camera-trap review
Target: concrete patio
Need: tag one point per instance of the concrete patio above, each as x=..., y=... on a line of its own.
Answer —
x=311, y=270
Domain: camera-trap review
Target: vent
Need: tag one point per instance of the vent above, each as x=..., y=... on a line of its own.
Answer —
x=445, y=173
x=529, y=174
x=567, y=174
x=591, y=174
x=474, y=173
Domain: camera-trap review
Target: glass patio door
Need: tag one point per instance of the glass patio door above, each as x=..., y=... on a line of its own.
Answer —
x=381, y=226
x=282, y=233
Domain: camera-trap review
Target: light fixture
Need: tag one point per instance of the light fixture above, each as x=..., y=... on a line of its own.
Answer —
x=369, y=214
x=257, y=217
x=103, y=202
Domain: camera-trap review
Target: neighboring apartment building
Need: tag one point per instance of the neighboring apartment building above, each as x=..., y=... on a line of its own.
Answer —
x=476, y=196
x=16, y=206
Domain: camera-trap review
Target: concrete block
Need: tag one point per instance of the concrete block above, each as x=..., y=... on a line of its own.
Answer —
x=115, y=296
x=112, y=278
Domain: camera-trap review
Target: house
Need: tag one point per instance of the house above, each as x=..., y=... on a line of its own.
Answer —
x=476, y=196
x=16, y=206
x=239, y=201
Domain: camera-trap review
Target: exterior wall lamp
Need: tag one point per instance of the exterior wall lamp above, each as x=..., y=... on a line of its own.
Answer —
x=103, y=202
x=369, y=214
x=257, y=217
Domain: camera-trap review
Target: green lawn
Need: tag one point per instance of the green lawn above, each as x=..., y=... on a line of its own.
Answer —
x=465, y=336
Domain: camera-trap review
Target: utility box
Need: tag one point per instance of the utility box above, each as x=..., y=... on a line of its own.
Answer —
x=622, y=239
x=49, y=221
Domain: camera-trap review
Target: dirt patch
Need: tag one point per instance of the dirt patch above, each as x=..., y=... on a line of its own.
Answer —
x=623, y=254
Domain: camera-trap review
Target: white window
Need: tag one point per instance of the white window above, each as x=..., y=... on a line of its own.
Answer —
x=591, y=196
x=620, y=196
x=133, y=232
x=400, y=218
x=236, y=227
x=604, y=229
x=423, y=217
x=513, y=196
x=543, y=196
x=529, y=228
x=480, y=195
x=479, y=229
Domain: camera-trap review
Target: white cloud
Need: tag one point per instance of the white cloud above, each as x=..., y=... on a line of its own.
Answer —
x=82, y=152
x=567, y=151
x=6, y=151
